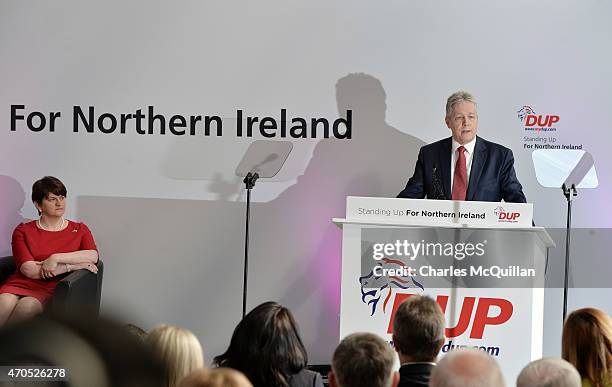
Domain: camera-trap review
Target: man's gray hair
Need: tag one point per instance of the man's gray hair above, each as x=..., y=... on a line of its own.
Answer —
x=363, y=360
x=549, y=372
x=457, y=97
x=418, y=328
x=467, y=368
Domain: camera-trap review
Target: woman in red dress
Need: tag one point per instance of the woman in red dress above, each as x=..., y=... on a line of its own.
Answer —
x=44, y=249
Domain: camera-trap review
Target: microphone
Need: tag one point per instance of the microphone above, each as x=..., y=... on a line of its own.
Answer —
x=437, y=185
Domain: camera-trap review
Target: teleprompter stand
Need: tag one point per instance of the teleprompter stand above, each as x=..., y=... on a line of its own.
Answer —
x=570, y=170
x=263, y=159
x=569, y=194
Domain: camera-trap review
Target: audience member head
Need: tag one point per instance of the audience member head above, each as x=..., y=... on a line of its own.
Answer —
x=216, y=377
x=587, y=344
x=266, y=346
x=467, y=368
x=363, y=360
x=549, y=372
x=97, y=352
x=418, y=329
x=178, y=350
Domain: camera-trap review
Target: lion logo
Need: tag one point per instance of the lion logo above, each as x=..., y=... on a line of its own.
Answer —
x=524, y=112
x=498, y=210
x=373, y=287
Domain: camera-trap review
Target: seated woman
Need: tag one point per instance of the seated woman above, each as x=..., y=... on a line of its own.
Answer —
x=267, y=348
x=587, y=344
x=44, y=249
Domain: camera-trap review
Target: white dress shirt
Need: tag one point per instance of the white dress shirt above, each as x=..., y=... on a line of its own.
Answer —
x=469, y=156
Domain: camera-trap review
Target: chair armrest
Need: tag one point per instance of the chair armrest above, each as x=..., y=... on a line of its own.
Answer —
x=79, y=290
x=7, y=267
x=72, y=279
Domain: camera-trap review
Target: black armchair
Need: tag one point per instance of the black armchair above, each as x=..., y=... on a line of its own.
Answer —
x=79, y=290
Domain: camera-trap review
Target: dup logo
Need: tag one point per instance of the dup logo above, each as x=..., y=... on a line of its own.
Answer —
x=537, y=122
x=506, y=216
x=374, y=288
x=477, y=312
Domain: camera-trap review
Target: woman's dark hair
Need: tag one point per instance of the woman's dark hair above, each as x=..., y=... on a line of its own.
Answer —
x=43, y=187
x=266, y=347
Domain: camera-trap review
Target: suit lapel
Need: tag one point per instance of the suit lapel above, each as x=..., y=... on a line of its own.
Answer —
x=478, y=162
x=444, y=157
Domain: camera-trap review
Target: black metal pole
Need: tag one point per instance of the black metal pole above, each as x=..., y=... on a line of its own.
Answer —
x=567, y=256
x=249, y=181
x=569, y=194
x=246, y=253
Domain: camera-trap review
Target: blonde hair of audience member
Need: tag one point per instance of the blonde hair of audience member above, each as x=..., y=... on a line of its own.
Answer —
x=467, y=368
x=587, y=344
x=363, y=360
x=178, y=349
x=216, y=377
x=549, y=372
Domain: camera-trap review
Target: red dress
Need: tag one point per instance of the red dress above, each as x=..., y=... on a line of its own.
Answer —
x=31, y=243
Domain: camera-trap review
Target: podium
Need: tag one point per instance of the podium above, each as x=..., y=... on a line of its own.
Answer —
x=483, y=262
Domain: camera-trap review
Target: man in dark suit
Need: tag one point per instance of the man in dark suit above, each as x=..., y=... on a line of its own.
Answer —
x=418, y=336
x=464, y=166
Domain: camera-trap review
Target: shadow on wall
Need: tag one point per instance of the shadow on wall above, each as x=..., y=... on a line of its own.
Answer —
x=375, y=162
x=12, y=200
x=295, y=249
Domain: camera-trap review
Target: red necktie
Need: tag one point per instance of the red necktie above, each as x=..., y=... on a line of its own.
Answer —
x=460, y=178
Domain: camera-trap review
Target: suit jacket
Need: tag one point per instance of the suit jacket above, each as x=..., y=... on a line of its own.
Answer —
x=306, y=378
x=492, y=177
x=415, y=374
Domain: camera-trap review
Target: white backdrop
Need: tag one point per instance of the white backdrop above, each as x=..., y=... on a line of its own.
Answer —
x=167, y=211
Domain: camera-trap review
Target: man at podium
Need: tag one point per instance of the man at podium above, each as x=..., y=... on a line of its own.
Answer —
x=464, y=166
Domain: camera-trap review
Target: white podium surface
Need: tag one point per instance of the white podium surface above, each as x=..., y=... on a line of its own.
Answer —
x=505, y=322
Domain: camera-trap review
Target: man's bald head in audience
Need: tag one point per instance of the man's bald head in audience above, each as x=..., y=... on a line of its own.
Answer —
x=467, y=367
x=549, y=372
